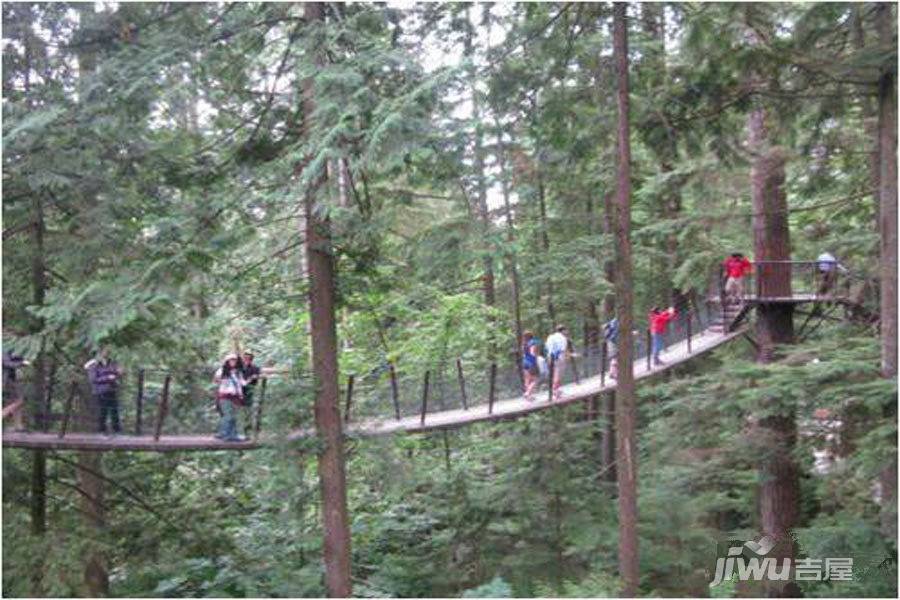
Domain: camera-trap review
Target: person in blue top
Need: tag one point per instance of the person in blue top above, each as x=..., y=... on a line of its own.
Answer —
x=611, y=336
x=530, y=366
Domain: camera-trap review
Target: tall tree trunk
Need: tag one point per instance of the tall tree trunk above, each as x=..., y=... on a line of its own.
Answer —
x=96, y=576
x=887, y=127
x=608, y=447
x=95, y=570
x=887, y=142
x=626, y=412
x=320, y=264
x=776, y=433
x=38, y=498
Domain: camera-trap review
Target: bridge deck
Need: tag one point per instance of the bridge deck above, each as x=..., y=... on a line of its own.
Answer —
x=503, y=409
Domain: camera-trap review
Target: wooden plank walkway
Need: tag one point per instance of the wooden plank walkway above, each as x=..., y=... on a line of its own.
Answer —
x=675, y=355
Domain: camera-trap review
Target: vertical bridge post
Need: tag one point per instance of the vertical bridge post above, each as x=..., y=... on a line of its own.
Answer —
x=425, y=397
x=550, y=382
x=139, y=404
x=349, y=398
x=163, y=407
x=690, y=316
x=68, y=413
x=259, y=404
x=43, y=422
x=394, y=394
x=462, y=384
x=492, y=392
x=603, y=352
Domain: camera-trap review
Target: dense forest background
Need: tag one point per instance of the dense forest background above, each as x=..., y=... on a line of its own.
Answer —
x=163, y=162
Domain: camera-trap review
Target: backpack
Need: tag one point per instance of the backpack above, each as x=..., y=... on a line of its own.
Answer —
x=529, y=361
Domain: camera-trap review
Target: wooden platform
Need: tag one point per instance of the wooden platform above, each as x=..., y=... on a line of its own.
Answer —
x=503, y=409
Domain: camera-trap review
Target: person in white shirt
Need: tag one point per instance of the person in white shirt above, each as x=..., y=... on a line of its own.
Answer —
x=827, y=268
x=557, y=352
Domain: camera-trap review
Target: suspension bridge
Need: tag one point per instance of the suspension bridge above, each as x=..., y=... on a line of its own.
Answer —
x=425, y=407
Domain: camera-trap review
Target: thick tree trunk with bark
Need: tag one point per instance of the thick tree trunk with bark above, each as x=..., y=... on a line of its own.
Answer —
x=89, y=477
x=608, y=447
x=320, y=265
x=887, y=127
x=771, y=239
x=775, y=434
x=38, y=497
x=626, y=412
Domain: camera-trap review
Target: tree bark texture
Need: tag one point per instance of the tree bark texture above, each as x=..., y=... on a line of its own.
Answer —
x=626, y=411
x=775, y=434
x=331, y=468
x=887, y=127
x=96, y=576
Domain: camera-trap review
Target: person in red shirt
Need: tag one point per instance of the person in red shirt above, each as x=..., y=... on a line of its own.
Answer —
x=735, y=267
x=659, y=321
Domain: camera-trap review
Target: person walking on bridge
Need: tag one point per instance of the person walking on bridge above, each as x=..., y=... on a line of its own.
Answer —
x=557, y=353
x=11, y=391
x=659, y=322
x=230, y=383
x=736, y=267
x=611, y=338
x=530, y=368
x=104, y=375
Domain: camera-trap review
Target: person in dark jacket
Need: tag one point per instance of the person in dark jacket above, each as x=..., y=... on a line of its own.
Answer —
x=104, y=375
x=251, y=377
x=11, y=392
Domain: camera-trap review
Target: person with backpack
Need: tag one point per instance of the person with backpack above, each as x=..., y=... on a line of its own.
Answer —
x=104, y=375
x=659, y=322
x=611, y=337
x=530, y=367
x=557, y=352
x=230, y=383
